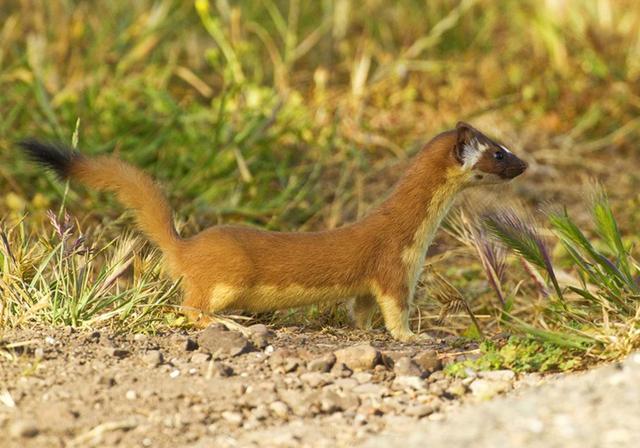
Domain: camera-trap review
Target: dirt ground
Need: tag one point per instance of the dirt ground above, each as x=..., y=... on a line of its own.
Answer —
x=289, y=387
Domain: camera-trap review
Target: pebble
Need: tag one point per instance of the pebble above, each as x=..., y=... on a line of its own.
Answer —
x=232, y=417
x=189, y=345
x=131, y=395
x=405, y=366
x=200, y=357
x=221, y=342
x=409, y=382
x=221, y=369
x=260, y=335
x=370, y=389
x=484, y=389
x=428, y=361
x=119, y=353
x=153, y=358
x=339, y=370
x=497, y=375
x=23, y=429
x=362, y=377
x=358, y=357
x=38, y=353
x=315, y=379
x=322, y=364
x=279, y=409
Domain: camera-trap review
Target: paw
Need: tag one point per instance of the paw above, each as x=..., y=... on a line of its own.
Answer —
x=410, y=336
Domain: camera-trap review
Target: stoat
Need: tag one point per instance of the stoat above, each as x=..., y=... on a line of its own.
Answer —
x=376, y=260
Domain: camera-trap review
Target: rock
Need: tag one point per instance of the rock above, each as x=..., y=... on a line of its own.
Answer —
x=284, y=361
x=106, y=380
x=331, y=401
x=23, y=429
x=315, y=379
x=119, y=353
x=497, y=375
x=362, y=377
x=405, y=366
x=189, y=345
x=358, y=357
x=371, y=390
x=220, y=369
x=428, y=361
x=260, y=412
x=131, y=395
x=420, y=410
x=322, y=364
x=199, y=357
x=260, y=335
x=339, y=370
x=409, y=382
x=153, y=358
x=38, y=353
x=279, y=409
x=345, y=383
x=140, y=337
x=232, y=417
x=456, y=389
x=484, y=389
x=219, y=341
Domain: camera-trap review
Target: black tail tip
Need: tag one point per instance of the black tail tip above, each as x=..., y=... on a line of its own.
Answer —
x=55, y=157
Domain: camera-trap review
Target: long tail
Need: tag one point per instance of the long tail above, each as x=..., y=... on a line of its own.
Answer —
x=134, y=188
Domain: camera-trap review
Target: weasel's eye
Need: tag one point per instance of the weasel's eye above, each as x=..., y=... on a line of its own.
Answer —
x=499, y=155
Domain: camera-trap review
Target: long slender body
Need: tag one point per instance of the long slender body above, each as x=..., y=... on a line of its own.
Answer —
x=376, y=260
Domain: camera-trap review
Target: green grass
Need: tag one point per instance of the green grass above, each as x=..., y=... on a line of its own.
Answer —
x=300, y=115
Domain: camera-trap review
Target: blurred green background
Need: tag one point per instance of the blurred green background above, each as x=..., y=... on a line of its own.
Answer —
x=300, y=114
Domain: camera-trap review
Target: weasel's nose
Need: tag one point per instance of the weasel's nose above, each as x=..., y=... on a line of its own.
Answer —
x=516, y=168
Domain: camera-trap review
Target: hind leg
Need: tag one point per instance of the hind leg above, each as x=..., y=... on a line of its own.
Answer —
x=363, y=308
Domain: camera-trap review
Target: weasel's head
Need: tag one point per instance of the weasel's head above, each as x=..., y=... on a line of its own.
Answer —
x=483, y=159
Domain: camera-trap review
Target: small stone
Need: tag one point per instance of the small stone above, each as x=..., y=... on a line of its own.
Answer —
x=405, y=366
x=221, y=369
x=199, y=358
x=284, y=360
x=279, y=409
x=359, y=357
x=370, y=389
x=428, y=361
x=260, y=335
x=456, y=389
x=322, y=364
x=131, y=395
x=345, y=383
x=189, y=345
x=23, y=429
x=420, y=410
x=497, y=375
x=94, y=336
x=362, y=377
x=315, y=379
x=232, y=417
x=175, y=373
x=140, y=337
x=339, y=370
x=484, y=389
x=119, y=353
x=260, y=412
x=153, y=358
x=49, y=340
x=38, y=353
x=106, y=380
x=223, y=343
x=409, y=382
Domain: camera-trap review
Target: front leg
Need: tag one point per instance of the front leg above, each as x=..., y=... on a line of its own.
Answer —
x=395, y=307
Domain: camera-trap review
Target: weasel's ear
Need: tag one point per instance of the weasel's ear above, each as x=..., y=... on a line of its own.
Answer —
x=465, y=142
